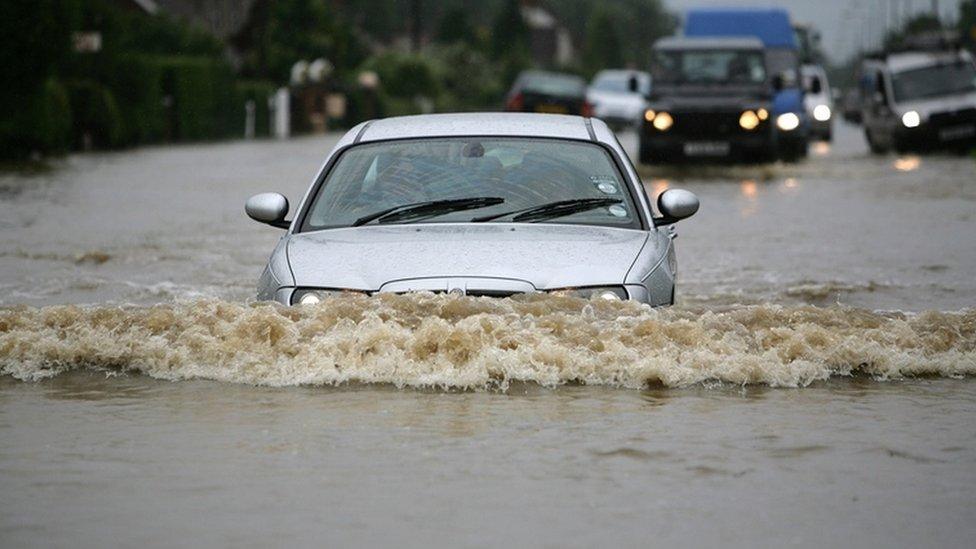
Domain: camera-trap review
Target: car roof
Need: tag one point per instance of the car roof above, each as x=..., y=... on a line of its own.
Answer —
x=710, y=43
x=899, y=62
x=478, y=124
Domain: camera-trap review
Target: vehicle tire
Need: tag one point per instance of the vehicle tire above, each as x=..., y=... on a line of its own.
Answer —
x=875, y=147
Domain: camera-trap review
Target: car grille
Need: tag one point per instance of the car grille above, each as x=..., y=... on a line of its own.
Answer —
x=945, y=119
x=706, y=125
x=476, y=293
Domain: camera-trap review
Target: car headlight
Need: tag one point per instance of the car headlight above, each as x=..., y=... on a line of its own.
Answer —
x=312, y=296
x=788, y=121
x=649, y=115
x=911, y=119
x=762, y=113
x=821, y=113
x=749, y=120
x=663, y=121
x=607, y=293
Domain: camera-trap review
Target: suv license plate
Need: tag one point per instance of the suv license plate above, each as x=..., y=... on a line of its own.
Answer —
x=957, y=132
x=707, y=148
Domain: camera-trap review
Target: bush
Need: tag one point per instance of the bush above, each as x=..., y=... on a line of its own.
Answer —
x=95, y=114
x=42, y=124
x=404, y=75
x=137, y=85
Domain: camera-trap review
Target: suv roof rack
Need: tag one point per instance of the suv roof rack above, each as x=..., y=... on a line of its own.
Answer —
x=936, y=41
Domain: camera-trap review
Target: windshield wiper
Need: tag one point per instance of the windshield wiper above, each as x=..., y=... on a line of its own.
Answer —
x=553, y=209
x=427, y=209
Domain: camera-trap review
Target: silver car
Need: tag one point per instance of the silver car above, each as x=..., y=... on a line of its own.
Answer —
x=482, y=204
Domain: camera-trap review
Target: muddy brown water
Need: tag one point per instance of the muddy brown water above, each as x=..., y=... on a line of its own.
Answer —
x=813, y=387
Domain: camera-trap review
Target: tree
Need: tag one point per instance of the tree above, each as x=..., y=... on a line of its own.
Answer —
x=602, y=48
x=918, y=24
x=455, y=26
x=967, y=23
x=509, y=33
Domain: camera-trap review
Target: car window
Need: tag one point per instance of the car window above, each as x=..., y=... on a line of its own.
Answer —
x=935, y=81
x=525, y=173
x=709, y=66
x=620, y=82
x=553, y=84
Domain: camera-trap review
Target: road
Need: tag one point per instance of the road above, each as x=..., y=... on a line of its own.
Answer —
x=147, y=403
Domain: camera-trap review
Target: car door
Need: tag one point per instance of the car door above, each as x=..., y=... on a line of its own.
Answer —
x=878, y=115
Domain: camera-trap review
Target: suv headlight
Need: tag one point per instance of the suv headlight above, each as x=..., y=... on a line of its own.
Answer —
x=608, y=293
x=911, y=119
x=749, y=120
x=311, y=296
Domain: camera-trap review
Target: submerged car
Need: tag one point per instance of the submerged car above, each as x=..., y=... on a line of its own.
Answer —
x=480, y=204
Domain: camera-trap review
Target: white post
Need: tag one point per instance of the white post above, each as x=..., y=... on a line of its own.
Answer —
x=249, y=110
x=282, y=114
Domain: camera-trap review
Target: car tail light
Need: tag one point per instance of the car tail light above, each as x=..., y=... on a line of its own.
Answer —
x=587, y=110
x=515, y=103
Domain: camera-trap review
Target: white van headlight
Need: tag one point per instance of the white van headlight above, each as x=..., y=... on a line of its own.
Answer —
x=788, y=121
x=821, y=113
x=911, y=119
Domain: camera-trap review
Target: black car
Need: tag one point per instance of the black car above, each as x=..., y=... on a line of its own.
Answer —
x=548, y=92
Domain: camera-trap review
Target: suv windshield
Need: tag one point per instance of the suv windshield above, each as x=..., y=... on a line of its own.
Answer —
x=471, y=179
x=709, y=67
x=934, y=81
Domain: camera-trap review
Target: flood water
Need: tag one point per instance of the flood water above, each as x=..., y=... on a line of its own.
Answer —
x=813, y=387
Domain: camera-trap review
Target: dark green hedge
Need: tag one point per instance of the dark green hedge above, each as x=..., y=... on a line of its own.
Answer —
x=42, y=123
x=95, y=114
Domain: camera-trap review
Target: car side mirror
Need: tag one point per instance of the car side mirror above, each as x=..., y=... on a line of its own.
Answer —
x=880, y=99
x=270, y=208
x=815, y=86
x=675, y=205
x=632, y=84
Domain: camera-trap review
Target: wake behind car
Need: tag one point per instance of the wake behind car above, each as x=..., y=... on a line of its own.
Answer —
x=548, y=92
x=920, y=98
x=481, y=204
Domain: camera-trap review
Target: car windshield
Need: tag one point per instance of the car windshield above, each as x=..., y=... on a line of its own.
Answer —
x=935, y=81
x=721, y=66
x=619, y=82
x=464, y=178
x=553, y=84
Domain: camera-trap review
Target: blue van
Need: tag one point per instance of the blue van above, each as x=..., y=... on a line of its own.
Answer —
x=772, y=27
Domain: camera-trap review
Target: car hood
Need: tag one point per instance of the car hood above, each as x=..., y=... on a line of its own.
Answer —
x=543, y=255
x=706, y=99
x=950, y=103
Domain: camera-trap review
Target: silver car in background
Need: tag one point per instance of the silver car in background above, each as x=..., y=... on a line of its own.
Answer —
x=619, y=96
x=482, y=204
